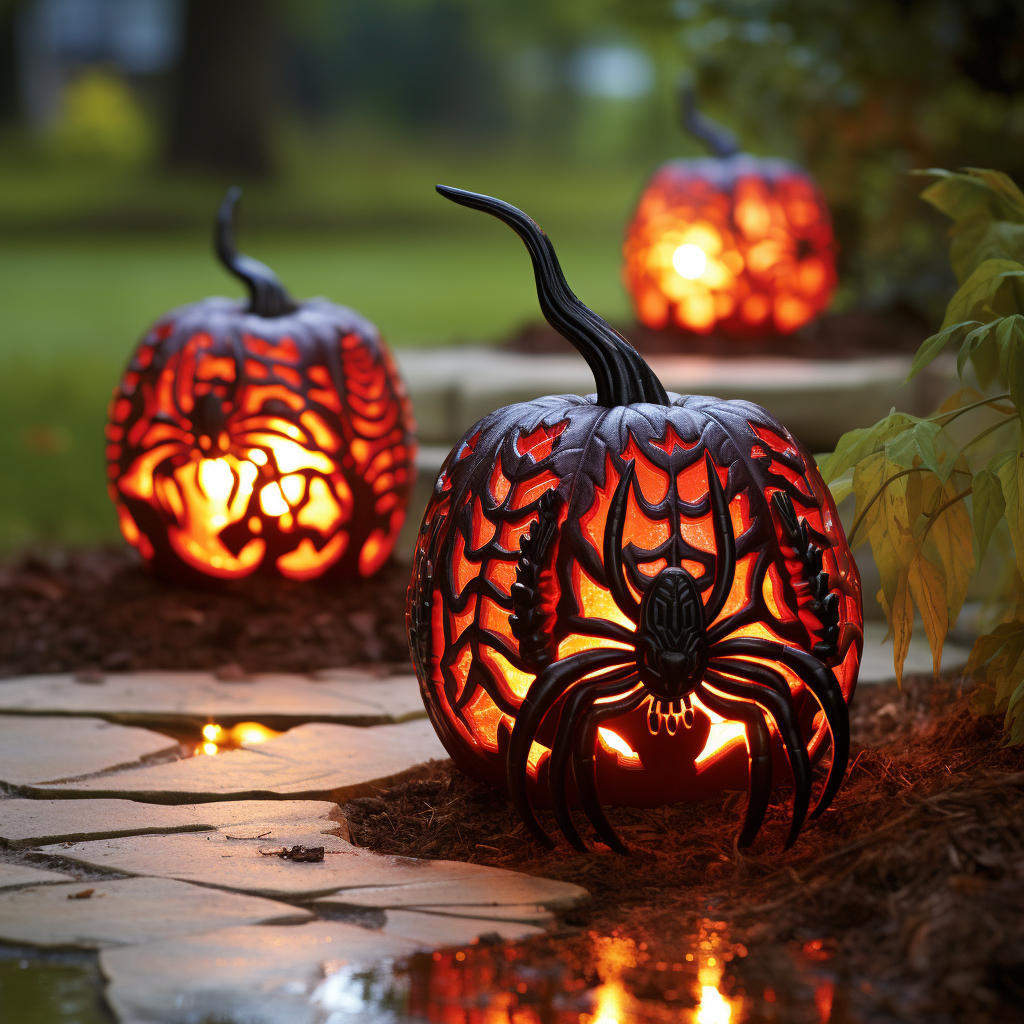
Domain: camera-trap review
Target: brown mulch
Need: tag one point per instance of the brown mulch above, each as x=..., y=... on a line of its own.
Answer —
x=909, y=892
x=99, y=609
x=855, y=334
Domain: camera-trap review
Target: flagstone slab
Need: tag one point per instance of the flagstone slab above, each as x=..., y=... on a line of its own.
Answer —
x=37, y=750
x=39, y=822
x=96, y=914
x=434, y=931
x=248, y=975
x=507, y=889
x=24, y=874
x=277, y=700
x=250, y=865
x=311, y=762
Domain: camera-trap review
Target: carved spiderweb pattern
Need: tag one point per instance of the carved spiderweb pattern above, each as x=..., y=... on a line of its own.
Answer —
x=323, y=411
x=473, y=670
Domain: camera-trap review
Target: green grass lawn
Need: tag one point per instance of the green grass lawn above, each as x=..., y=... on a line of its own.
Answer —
x=75, y=298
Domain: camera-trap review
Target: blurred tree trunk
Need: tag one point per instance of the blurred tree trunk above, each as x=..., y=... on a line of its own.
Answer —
x=222, y=94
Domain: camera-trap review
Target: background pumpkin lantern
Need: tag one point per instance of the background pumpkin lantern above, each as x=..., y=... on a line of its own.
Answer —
x=735, y=242
x=270, y=435
x=610, y=593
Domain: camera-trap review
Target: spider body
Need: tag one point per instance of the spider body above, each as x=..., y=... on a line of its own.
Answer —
x=672, y=650
x=603, y=585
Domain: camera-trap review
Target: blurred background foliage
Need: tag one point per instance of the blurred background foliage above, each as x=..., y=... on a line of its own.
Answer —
x=122, y=121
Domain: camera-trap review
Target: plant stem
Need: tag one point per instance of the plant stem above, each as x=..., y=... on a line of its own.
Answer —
x=942, y=508
x=985, y=433
x=875, y=497
x=974, y=405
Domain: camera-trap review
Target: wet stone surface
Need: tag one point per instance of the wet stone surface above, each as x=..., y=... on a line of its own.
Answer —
x=170, y=866
x=310, y=762
x=194, y=698
x=40, y=750
x=41, y=822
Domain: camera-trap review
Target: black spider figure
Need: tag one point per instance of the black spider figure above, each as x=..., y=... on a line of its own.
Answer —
x=680, y=649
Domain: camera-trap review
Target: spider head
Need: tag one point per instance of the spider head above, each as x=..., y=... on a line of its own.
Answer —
x=671, y=648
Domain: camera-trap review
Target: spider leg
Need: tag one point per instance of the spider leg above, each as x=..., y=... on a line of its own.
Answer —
x=759, y=749
x=613, y=568
x=725, y=544
x=584, y=763
x=618, y=681
x=821, y=681
x=773, y=696
x=544, y=691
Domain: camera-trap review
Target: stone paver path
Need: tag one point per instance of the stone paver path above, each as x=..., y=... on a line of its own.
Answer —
x=111, y=839
x=40, y=822
x=194, y=698
x=310, y=762
x=39, y=750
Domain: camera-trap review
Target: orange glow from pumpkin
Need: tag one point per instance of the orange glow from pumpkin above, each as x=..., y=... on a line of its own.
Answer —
x=754, y=257
x=271, y=484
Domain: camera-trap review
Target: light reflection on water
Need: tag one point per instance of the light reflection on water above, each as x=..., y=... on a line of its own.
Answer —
x=496, y=984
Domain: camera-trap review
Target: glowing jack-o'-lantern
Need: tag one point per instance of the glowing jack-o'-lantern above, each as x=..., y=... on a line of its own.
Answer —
x=633, y=598
x=734, y=242
x=272, y=436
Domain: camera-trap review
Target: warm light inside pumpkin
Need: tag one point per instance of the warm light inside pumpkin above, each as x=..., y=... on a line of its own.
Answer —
x=270, y=481
x=720, y=736
x=689, y=261
x=753, y=256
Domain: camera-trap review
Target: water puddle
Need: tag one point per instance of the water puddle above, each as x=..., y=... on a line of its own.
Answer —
x=50, y=988
x=614, y=980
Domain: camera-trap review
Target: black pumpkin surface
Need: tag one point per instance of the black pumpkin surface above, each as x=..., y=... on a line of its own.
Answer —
x=267, y=435
x=632, y=597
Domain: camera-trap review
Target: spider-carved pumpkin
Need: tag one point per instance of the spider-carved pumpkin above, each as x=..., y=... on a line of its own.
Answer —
x=610, y=594
x=270, y=435
x=735, y=242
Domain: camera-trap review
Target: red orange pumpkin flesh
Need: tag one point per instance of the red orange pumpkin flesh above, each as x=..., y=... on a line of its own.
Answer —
x=268, y=436
x=733, y=242
x=632, y=598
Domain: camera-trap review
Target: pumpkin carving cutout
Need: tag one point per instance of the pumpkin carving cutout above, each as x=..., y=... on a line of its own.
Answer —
x=632, y=598
x=267, y=435
x=732, y=242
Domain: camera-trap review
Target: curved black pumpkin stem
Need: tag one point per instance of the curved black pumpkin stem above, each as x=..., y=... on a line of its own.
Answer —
x=267, y=296
x=715, y=136
x=622, y=376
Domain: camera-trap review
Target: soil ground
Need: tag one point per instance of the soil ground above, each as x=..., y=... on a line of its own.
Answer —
x=98, y=608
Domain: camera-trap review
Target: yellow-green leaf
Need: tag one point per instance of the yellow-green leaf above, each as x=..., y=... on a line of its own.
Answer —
x=989, y=506
x=1009, y=467
x=1010, y=343
x=951, y=538
x=928, y=588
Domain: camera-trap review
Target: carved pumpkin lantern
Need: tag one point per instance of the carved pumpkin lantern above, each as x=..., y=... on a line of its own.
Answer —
x=633, y=598
x=733, y=242
x=269, y=436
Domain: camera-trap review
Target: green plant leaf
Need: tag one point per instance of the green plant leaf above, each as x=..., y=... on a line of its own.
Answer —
x=1009, y=467
x=856, y=445
x=989, y=506
x=932, y=346
x=971, y=343
x=1010, y=344
x=974, y=192
x=989, y=290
